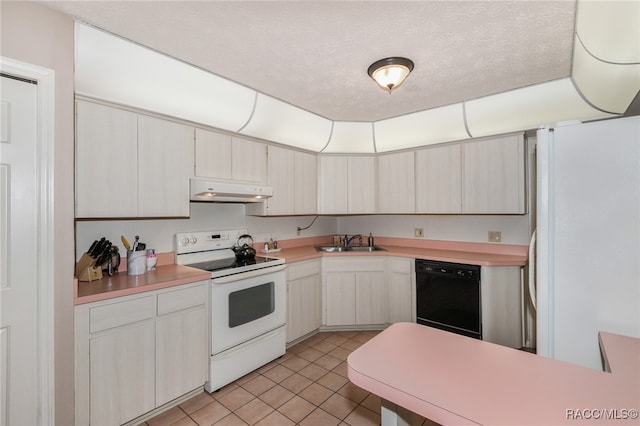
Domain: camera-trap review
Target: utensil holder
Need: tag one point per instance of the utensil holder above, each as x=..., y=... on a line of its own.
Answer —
x=136, y=262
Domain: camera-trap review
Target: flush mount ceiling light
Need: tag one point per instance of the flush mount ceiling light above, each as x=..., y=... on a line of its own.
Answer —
x=389, y=73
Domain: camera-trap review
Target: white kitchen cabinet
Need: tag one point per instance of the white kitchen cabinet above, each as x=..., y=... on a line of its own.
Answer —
x=361, y=185
x=165, y=164
x=332, y=183
x=354, y=291
x=130, y=165
x=120, y=367
x=293, y=176
x=224, y=157
x=501, y=300
x=371, y=298
x=400, y=290
x=304, y=301
x=212, y=155
x=181, y=342
x=396, y=183
x=340, y=300
x=106, y=161
x=494, y=176
x=136, y=353
x=305, y=188
x=439, y=180
x=347, y=185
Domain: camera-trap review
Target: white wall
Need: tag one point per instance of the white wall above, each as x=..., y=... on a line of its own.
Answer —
x=159, y=234
x=473, y=228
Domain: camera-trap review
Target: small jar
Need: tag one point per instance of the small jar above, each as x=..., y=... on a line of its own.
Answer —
x=152, y=259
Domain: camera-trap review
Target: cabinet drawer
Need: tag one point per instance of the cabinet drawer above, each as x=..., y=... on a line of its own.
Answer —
x=185, y=298
x=121, y=313
x=400, y=266
x=303, y=269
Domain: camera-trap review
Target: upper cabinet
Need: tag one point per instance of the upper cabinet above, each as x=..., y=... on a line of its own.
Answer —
x=223, y=157
x=396, y=183
x=130, y=165
x=439, y=180
x=494, y=176
x=347, y=185
x=476, y=177
x=294, y=177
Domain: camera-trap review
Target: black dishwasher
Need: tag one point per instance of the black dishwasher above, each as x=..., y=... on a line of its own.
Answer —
x=448, y=297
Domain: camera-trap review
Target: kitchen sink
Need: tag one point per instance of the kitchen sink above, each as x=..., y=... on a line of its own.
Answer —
x=331, y=249
x=365, y=248
x=338, y=249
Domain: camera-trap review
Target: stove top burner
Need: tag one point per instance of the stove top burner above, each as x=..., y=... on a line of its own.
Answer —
x=218, y=265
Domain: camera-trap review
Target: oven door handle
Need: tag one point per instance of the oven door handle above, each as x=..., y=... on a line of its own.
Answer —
x=249, y=274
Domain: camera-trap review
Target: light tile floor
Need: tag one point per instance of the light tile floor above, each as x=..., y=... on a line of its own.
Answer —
x=307, y=386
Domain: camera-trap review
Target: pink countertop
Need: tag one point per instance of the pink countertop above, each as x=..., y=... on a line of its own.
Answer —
x=446, y=251
x=452, y=379
x=165, y=275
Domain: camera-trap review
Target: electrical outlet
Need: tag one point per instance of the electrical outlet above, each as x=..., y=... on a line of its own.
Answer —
x=418, y=232
x=495, y=237
x=298, y=230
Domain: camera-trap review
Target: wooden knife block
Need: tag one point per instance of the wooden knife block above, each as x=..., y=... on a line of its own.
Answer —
x=86, y=270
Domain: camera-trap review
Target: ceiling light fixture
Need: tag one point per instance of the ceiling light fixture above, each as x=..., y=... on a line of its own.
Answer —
x=389, y=73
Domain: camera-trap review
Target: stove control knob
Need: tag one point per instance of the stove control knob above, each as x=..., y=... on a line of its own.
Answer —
x=185, y=241
x=194, y=240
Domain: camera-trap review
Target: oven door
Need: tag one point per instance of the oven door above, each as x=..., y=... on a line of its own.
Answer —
x=247, y=305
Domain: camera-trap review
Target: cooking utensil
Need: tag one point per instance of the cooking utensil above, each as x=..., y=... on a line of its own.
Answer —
x=244, y=248
x=125, y=242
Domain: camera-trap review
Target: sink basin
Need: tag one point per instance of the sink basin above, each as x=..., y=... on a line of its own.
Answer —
x=330, y=249
x=364, y=248
x=338, y=249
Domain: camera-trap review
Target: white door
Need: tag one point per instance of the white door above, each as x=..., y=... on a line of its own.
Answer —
x=18, y=236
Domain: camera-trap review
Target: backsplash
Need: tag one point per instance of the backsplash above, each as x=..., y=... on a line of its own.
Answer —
x=159, y=234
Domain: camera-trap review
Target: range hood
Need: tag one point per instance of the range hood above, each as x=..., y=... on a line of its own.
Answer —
x=213, y=191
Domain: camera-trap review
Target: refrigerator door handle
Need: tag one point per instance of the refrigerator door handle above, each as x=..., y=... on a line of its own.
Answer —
x=532, y=269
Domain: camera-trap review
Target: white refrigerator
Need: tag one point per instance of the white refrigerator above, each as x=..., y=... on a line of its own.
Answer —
x=588, y=237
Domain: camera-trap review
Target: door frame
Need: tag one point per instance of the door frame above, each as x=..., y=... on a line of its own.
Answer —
x=45, y=78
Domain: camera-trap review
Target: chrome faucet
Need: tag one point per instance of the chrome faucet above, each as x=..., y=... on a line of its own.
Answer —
x=348, y=240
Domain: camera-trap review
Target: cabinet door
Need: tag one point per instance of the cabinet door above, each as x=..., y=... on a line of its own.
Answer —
x=361, y=185
x=106, y=161
x=181, y=360
x=248, y=161
x=340, y=303
x=370, y=298
x=396, y=183
x=400, y=290
x=439, y=180
x=122, y=370
x=280, y=170
x=494, y=176
x=333, y=181
x=213, y=154
x=305, y=183
x=305, y=304
x=165, y=164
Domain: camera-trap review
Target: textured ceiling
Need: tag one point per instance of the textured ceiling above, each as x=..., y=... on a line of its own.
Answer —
x=315, y=54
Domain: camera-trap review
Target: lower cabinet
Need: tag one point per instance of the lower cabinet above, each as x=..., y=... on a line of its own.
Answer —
x=501, y=295
x=136, y=353
x=401, y=290
x=304, y=298
x=354, y=291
